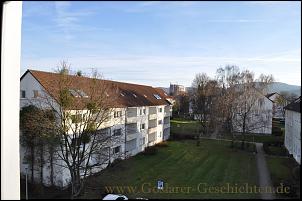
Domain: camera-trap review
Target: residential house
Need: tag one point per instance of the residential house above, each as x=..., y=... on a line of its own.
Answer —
x=279, y=102
x=140, y=119
x=258, y=119
x=292, y=140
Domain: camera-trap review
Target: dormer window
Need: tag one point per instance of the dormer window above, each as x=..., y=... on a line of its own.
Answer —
x=82, y=93
x=74, y=93
x=78, y=93
x=157, y=96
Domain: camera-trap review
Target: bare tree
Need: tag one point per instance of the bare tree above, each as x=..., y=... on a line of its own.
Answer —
x=250, y=113
x=83, y=108
x=203, y=101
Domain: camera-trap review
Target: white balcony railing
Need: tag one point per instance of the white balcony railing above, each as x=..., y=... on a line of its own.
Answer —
x=152, y=116
x=131, y=136
x=152, y=130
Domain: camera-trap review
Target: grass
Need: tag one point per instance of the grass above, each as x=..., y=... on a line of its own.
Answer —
x=284, y=170
x=184, y=127
x=189, y=127
x=180, y=164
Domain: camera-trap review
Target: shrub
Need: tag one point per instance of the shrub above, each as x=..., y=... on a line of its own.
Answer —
x=115, y=162
x=162, y=144
x=150, y=151
x=183, y=136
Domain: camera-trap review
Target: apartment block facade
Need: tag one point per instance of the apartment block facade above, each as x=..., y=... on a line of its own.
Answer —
x=141, y=120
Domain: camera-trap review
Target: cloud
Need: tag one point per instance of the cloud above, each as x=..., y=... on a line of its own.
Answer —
x=160, y=70
x=69, y=21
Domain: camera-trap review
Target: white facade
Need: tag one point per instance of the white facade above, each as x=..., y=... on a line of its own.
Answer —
x=278, y=111
x=259, y=120
x=292, y=139
x=139, y=127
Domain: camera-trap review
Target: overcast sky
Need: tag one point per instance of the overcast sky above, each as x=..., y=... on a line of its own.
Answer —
x=155, y=43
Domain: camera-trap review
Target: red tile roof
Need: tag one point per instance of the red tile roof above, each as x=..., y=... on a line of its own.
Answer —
x=129, y=95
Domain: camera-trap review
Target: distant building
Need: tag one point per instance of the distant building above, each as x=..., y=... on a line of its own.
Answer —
x=279, y=102
x=292, y=140
x=176, y=89
x=258, y=119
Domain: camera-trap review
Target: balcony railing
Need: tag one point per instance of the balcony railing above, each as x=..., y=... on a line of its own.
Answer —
x=152, y=116
x=152, y=130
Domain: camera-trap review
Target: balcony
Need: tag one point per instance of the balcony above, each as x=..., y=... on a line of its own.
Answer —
x=131, y=136
x=152, y=130
x=131, y=128
x=152, y=116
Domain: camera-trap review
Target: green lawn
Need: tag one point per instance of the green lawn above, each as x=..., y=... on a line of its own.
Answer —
x=181, y=164
x=284, y=170
x=188, y=127
x=184, y=127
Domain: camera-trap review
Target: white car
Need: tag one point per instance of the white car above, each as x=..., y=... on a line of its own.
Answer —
x=115, y=197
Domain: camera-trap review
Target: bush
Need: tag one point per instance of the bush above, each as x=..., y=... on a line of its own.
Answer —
x=183, y=136
x=150, y=151
x=115, y=162
x=275, y=148
x=162, y=144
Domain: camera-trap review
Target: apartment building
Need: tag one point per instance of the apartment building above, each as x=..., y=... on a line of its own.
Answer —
x=141, y=117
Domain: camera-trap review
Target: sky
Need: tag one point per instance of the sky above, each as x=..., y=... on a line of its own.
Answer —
x=158, y=43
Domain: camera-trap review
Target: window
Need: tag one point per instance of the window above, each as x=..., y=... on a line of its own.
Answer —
x=23, y=94
x=36, y=93
x=160, y=122
x=117, y=114
x=82, y=93
x=122, y=94
x=142, y=126
x=157, y=96
x=134, y=95
x=144, y=111
x=117, y=132
x=140, y=111
x=160, y=109
x=74, y=93
x=116, y=150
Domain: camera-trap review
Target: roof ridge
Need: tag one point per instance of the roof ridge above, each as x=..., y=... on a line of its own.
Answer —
x=91, y=78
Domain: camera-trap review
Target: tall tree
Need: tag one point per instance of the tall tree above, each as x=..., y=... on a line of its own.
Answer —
x=82, y=108
x=203, y=100
x=250, y=113
x=36, y=126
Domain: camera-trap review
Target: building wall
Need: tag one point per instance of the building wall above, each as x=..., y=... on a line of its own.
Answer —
x=292, y=139
x=262, y=110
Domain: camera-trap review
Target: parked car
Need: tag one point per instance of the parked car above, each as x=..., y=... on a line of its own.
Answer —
x=115, y=197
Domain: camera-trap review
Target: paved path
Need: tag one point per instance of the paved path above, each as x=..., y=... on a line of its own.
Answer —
x=263, y=173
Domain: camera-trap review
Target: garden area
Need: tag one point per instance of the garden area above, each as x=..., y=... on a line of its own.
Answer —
x=287, y=172
x=179, y=164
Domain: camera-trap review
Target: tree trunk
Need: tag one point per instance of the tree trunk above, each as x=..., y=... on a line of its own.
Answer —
x=51, y=164
x=41, y=163
x=32, y=152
